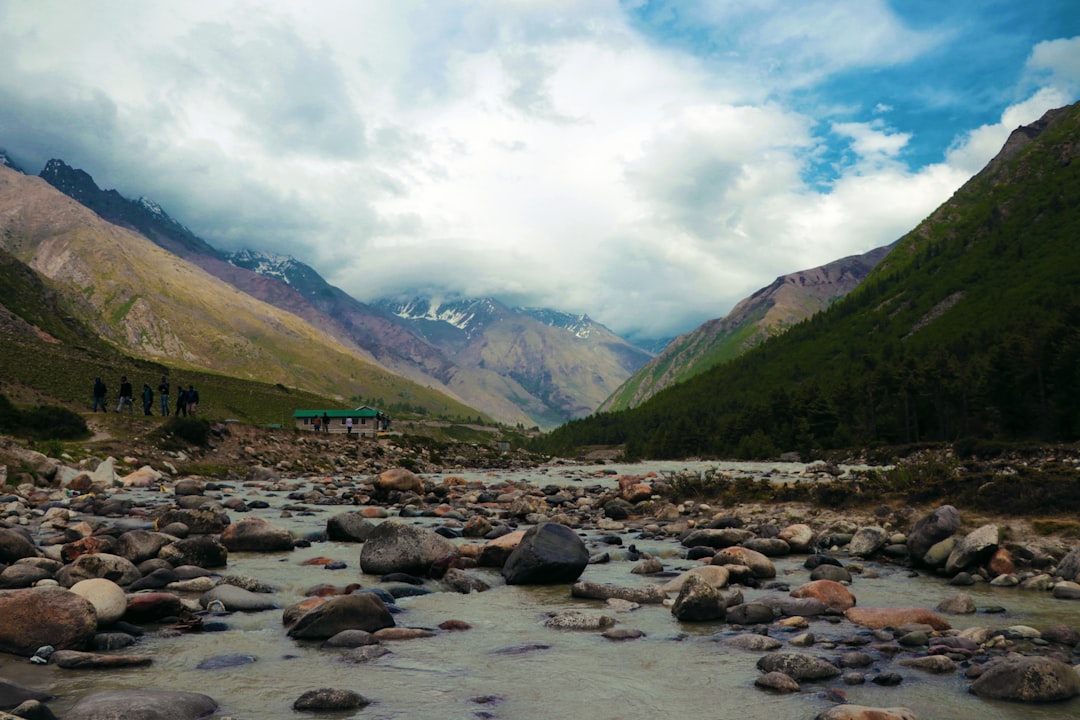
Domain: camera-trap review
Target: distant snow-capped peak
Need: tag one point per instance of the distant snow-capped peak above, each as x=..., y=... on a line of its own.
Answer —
x=269, y=264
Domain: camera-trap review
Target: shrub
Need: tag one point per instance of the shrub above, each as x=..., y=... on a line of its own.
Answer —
x=44, y=422
x=179, y=432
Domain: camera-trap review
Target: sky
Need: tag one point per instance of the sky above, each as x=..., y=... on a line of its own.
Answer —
x=648, y=163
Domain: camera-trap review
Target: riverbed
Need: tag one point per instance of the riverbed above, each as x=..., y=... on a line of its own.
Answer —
x=509, y=665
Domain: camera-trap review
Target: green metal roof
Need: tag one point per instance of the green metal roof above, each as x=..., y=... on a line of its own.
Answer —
x=360, y=412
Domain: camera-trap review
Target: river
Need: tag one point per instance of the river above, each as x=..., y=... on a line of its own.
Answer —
x=676, y=670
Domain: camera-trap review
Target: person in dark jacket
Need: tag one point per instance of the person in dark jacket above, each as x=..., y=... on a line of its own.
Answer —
x=192, y=400
x=127, y=396
x=181, y=400
x=147, y=398
x=100, y=391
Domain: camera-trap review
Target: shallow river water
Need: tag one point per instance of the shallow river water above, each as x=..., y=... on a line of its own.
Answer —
x=678, y=670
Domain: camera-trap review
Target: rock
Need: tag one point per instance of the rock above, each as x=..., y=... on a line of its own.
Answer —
x=1062, y=634
x=364, y=654
x=199, y=521
x=34, y=617
x=108, y=599
x=1001, y=562
x=698, y=601
x=350, y=639
x=778, y=682
x=142, y=704
x=362, y=611
x=12, y=695
x=400, y=480
x=976, y=547
x=1066, y=590
x=716, y=538
x=238, y=599
x=753, y=642
x=201, y=550
x=789, y=606
x=863, y=712
x=219, y=662
x=618, y=634
x=22, y=575
x=830, y=572
x=934, y=664
x=753, y=613
x=833, y=594
x=462, y=582
x=938, y=554
x=760, y=565
x=931, y=529
x=549, y=553
x=91, y=545
x=769, y=547
x=577, y=620
x=1069, y=567
x=957, y=604
x=144, y=477
x=799, y=537
x=151, y=606
x=140, y=545
x=496, y=551
x=1027, y=679
x=715, y=575
x=867, y=541
x=75, y=660
x=648, y=595
x=895, y=617
x=798, y=666
x=330, y=699
x=99, y=565
x=188, y=486
x=14, y=545
x=395, y=546
x=254, y=534
x=349, y=527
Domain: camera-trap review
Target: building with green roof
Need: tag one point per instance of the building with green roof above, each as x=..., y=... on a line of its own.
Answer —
x=363, y=421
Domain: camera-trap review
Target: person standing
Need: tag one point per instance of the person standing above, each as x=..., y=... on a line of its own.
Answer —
x=348, y=426
x=163, y=393
x=181, y=400
x=99, y=395
x=325, y=423
x=126, y=396
x=192, y=400
x=318, y=423
x=147, y=398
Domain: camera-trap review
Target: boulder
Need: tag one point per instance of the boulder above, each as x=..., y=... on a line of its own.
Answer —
x=777, y=682
x=798, y=666
x=931, y=529
x=648, y=595
x=715, y=575
x=716, y=538
x=794, y=607
x=1069, y=567
x=152, y=606
x=362, y=611
x=14, y=545
x=1027, y=679
x=349, y=527
x=548, y=554
x=236, y=599
x=698, y=601
x=398, y=479
x=398, y=547
x=833, y=594
x=769, y=547
x=867, y=541
x=830, y=572
x=759, y=564
x=108, y=599
x=99, y=565
x=799, y=537
x=12, y=695
x=34, y=617
x=199, y=521
x=22, y=576
x=200, y=550
x=957, y=604
x=1064, y=590
x=330, y=699
x=895, y=617
x=976, y=547
x=140, y=545
x=142, y=704
x=752, y=642
x=77, y=660
x=254, y=534
x=939, y=552
x=496, y=551
x=752, y=613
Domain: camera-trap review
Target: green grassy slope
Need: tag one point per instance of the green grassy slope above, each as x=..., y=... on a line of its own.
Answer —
x=969, y=328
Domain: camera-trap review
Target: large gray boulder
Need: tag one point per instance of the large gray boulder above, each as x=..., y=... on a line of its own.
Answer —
x=98, y=565
x=698, y=601
x=254, y=534
x=976, y=547
x=199, y=521
x=1069, y=567
x=548, y=554
x=349, y=527
x=867, y=541
x=931, y=529
x=142, y=704
x=1027, y=679
x=716, y=537
x=15, y=545
x=798, y=666
x=200, y=550
x=360, y=611
x=237, y=599
x=140, y=545
x=398, y=547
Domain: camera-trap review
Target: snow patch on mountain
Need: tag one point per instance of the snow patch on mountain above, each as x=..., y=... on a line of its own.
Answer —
x=268, y=264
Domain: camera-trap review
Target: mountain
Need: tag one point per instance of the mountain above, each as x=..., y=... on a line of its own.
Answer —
x=565, y=364
x=969, y=329
x=770, y=311
x=154, y=305
x=396, y=343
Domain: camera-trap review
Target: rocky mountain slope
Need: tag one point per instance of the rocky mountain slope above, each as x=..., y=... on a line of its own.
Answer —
x=769, y=311
x=426, y=354
x=153, y=304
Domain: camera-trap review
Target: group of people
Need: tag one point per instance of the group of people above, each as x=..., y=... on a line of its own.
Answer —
x=187, y=401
